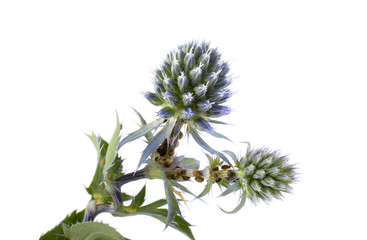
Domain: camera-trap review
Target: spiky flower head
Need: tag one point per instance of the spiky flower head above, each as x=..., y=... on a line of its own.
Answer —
x=264, y=174
x=192, y=84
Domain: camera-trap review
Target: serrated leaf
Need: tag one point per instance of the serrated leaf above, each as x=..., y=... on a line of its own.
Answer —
x=173, y=208
x=96, y=189
x=112, y=147
x=57, y=232
x=91, y=231
x=149, y=135
x=141, y=132
x=157, y=140
x=205, y=146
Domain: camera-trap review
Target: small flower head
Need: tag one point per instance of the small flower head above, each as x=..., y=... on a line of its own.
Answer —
x=264, y=174
x=192, y=83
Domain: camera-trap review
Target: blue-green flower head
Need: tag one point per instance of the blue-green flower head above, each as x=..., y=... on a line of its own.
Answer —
x=264, y=174
x=192, y=84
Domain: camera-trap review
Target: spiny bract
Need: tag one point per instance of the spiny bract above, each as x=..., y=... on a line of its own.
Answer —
x=264, y=174
x=192, y=84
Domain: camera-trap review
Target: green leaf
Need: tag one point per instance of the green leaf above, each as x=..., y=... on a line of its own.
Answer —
x=97, y=190
x=232, y=188
x=112, y=147
x=153, y=205
x=57, y=232
x=139, y=199
x=182, y=188
x=206, y=189
x=149, y=135
x=91, y=231
x=177, y=223
x=173, y=208
x=141, y=132
x=190, y=163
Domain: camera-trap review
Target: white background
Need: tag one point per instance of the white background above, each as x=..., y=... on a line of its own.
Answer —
x=300, y=73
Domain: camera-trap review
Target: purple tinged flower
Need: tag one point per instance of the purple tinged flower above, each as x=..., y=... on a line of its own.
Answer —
x=204, y=106
x=168, y=83
x=195, y=74
x=189, y=60
x=182, y=82
x=200, y=90
x=175, y=67
x=187, y=98
x=203, y=125
x=218, y=111
x=170, y=97
x=188, y=113
x=153, y=98
x=192, y=76
x=165, y=113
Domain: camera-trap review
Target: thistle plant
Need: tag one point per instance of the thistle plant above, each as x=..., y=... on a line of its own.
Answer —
x=191, y=88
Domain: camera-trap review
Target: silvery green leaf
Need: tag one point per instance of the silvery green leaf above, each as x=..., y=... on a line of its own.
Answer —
x=190, y=163
x=239, y=206
x=232, y=188
x=231, y=154
x=141, y=132
x=173, y=208
x=112, y=147
x=182, y=188
x=205, y=146
x=218, y=135
x=157, y=140
x=149, y=135
x=206, y=189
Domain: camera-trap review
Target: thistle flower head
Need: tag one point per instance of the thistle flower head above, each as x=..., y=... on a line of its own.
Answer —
x=264, y=174
x=192, y=83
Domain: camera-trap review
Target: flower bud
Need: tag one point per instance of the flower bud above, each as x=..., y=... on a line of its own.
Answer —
x=168, y=83
x=165, y=113
x=153, y=98
x=203, y=125
x=204, y=106
x=195, y=74
x=218, y=111
x=187, y=98
x=182, y=82
x=189, y=60
x=175, y=67
x=188, y=113
x=200, y=90
x=170, y=97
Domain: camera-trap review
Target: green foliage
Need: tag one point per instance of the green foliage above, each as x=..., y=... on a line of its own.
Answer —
x=154, y=210
x=96, y=189
x=91, y=231
x=57, y=232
